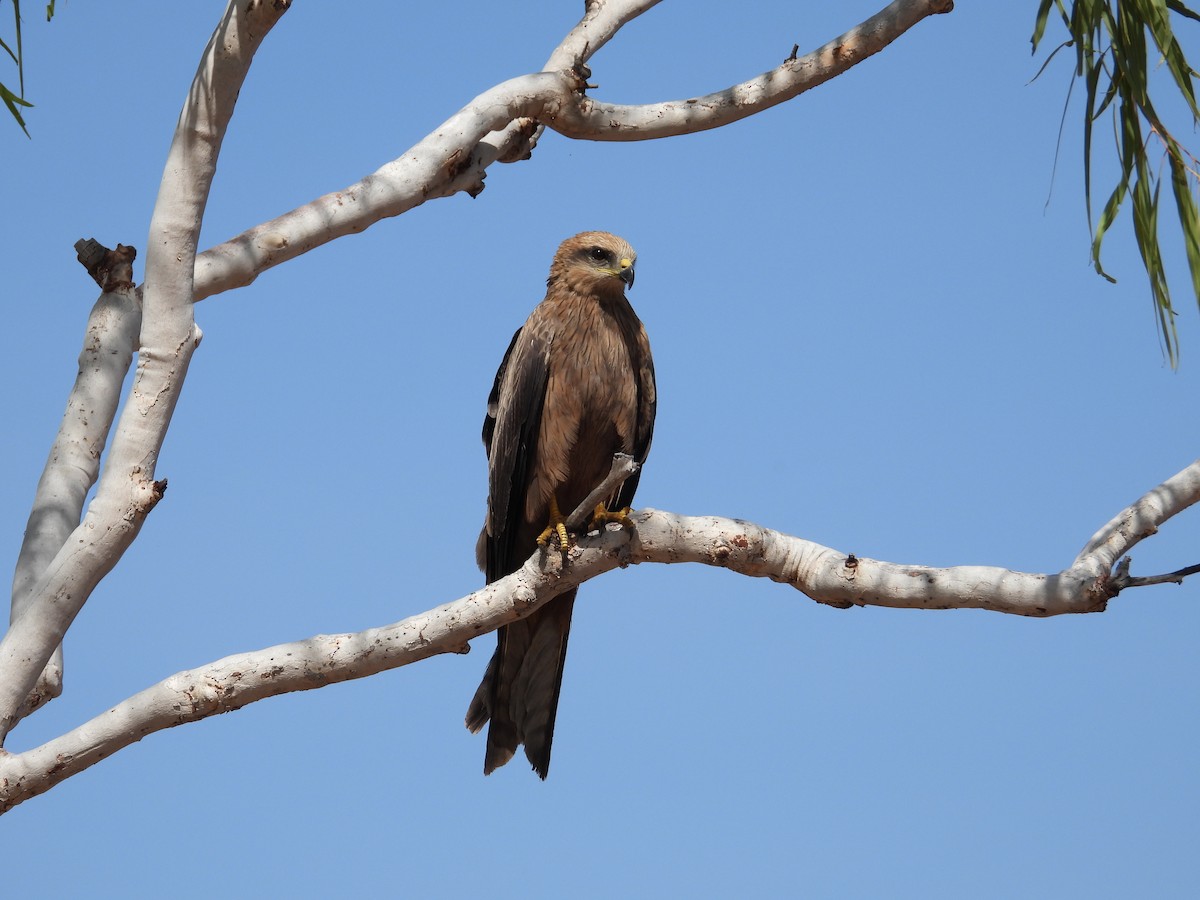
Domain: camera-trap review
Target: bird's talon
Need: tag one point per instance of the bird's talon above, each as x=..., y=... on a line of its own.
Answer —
x=603, y=515
x=557, y=529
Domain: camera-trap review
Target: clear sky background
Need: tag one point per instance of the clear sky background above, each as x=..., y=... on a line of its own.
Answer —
x=870, y=331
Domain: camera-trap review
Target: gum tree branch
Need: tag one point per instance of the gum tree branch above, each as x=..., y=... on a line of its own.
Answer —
x=825, y=575
x=456, y=155
x=1122, y=579
x=73, y=465
x=602, y=19
x=1140, y=520
x=127, y=489
x=623, y=466
x=595, y=121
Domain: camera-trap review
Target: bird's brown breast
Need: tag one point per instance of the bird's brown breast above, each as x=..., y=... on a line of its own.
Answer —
x=591, y=397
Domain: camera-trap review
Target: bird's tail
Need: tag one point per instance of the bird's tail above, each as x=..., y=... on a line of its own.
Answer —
x=519, y=691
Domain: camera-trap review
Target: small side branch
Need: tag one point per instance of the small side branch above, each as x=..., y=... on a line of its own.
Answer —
x=1121, y=579
x=601, y=21
x=1140, y=519
x=623, y=465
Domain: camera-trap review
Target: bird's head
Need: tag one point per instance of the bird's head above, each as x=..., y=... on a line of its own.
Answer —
x=594, y=262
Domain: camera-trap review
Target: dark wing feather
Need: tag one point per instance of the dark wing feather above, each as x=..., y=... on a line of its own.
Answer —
x=647, y=400
x=493, y=401
x=510, y=432
x=510, y=435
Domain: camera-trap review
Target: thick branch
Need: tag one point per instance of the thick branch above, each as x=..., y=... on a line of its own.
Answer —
x=457, y=154
x=826, y=575
x=127, y=490
x=440, y=165
x=74, y=461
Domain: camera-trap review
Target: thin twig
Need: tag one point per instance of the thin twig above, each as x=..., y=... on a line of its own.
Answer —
x=623, y=466
x=1122, y=579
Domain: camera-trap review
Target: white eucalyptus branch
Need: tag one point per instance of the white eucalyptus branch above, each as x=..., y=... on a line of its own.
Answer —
x=74, y=461
x=127, y=490
x=623, y=466
x=1142, y=519
x=440, y=165
x=602, y=19
x=825, y=575
x=594, y=121
x=456, y=155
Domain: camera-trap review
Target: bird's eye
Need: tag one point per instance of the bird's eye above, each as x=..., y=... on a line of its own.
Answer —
x=598, y=254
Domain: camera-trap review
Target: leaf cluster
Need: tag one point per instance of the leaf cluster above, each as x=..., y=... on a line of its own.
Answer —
x=1112, y=58
x=16, y=101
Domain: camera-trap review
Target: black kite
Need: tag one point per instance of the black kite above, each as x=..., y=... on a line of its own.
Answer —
x=575, y=387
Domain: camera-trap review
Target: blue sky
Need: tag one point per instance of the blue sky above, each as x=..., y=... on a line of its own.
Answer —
x=869, y=330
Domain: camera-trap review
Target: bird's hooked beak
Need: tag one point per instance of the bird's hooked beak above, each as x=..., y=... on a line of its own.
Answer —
x=626, y=272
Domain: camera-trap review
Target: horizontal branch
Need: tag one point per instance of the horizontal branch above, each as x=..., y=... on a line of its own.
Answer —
x=1121, y=578
x=826, y=575
x=455, y=156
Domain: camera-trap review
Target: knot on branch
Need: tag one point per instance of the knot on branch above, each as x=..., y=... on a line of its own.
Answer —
x=521, y=139
x=580, y=74
x=111, y=269
x=149, y=493
x=48, y=687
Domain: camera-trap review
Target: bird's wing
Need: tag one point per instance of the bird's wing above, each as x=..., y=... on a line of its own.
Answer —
x=647, y=404
x=510, y=434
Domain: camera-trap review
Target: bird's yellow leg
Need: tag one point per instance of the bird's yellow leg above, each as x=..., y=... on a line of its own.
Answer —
x=603, y=515
x=557, y=528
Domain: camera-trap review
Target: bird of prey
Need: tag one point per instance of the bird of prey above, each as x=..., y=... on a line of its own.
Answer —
x=575, y=387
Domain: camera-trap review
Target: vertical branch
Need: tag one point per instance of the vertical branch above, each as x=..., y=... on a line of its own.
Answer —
x=74, y=461
x=128, y=490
